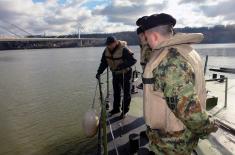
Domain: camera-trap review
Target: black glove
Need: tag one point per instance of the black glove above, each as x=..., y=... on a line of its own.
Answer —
x=97, y=76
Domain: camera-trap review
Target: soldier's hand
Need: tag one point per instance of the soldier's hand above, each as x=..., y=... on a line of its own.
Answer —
x=119, y=67
x=97, y=76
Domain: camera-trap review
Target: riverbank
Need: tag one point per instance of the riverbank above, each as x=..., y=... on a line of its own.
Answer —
x=47, y=44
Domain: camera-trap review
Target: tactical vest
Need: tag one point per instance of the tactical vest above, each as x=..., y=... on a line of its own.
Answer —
x=116, y=58
x=157, y=114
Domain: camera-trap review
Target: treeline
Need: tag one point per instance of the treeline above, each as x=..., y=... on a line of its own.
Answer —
x=216, y=34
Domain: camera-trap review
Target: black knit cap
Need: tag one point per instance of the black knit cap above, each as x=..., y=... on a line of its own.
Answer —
x=141, y=20
x=110, y=40
x=159, y=19
x=139, y=30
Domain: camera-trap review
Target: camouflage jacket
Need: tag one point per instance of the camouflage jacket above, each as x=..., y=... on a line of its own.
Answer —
x=176, y=79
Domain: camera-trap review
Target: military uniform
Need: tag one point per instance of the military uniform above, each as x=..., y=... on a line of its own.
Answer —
x=119, y=60
x=177, y=82
x=145, y=50
x=177, y=143
x=174, y=92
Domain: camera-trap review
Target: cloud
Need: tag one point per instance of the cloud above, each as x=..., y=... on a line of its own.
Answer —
x=56, y=17
x=49, y=16
x=224, y=9
x=192, y=1
x=129, y=11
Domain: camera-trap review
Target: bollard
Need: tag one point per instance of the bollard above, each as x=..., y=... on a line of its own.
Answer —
x=214, y=76
x=133, y=143
x=143, y=138
x=211, y=102
x=143, y=151
x=221, y=78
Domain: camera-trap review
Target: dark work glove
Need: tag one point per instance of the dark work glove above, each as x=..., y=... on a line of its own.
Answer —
x=97, y=76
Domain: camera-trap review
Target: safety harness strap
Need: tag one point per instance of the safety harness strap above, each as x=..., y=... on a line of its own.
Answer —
x=148, y=80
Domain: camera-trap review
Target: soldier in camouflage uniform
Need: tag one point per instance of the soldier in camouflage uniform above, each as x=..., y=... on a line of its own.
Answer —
x=145, y=50
x=174, y=90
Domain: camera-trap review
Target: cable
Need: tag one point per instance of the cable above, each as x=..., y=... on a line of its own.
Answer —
x=99, y=138
x=114, y=144
x=10, y=31
x=21, y=29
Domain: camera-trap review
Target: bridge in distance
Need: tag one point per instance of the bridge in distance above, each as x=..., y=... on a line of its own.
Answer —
x=24, y=43
x=31, y=41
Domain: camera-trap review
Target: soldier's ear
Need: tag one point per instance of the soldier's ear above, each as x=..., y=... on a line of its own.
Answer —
x=155, y=36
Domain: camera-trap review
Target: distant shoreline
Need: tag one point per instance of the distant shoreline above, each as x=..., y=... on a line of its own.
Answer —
x=218, y=34
x=232, y=43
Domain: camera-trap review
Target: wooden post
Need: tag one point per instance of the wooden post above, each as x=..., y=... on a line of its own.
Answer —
x=103, y=118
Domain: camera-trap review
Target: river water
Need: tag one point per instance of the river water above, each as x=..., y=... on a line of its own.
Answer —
x=45, y=92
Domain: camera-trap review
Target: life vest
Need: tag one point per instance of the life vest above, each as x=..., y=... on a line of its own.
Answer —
x=116, y=58
x=157, y=114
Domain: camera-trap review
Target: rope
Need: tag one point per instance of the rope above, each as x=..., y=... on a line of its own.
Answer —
x=99, y=138
x=93, y=104
x=113, y=141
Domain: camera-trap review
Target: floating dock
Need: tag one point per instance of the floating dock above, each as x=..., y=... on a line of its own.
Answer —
x=133, y=126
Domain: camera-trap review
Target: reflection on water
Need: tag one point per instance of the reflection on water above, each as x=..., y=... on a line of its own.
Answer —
x=7, y=58
x=216, y=49
x=44, y=94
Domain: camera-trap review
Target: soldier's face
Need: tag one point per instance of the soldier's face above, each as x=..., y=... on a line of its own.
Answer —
x=142, y=38
x=112, y=46
x=151, y=38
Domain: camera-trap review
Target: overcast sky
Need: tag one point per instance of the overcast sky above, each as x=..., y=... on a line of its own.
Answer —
x=57, y=17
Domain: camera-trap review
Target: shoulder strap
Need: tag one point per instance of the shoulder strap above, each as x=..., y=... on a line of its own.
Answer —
x=154, y=61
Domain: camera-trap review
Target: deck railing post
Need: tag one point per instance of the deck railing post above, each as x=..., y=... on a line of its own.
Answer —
x=107, y=95
x=205, y=66
x=226, y=92
x=107, y=91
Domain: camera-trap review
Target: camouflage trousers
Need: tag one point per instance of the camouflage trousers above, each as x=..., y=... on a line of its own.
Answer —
x=176, y=143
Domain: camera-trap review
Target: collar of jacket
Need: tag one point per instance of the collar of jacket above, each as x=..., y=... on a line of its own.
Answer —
x=181, y=38
x=120, y=43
